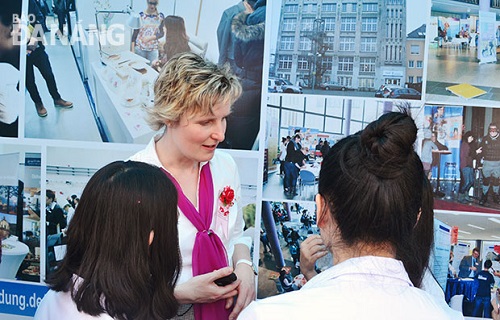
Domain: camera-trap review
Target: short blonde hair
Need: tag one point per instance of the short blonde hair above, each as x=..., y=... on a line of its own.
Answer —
x=189, y=84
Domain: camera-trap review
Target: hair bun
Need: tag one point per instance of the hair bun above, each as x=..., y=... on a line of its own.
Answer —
x=388, y=141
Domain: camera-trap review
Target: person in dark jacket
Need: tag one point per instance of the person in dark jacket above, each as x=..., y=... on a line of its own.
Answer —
x=225, y=38
x=38, y=57
x=483, y=295
x=61, y=8
x=466, y=167
x=247, y=29
x=54, y=214
x=489, y=148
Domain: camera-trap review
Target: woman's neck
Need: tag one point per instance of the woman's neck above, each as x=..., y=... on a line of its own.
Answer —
x=341, y=253
x=185, y=171
x=173, y=161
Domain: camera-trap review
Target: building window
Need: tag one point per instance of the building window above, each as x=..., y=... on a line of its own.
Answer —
x=370, y=7
x=328, y=7
x=285, y=62
x=287, y=43
x=346, y=44
x=303, y=64
x=310, y=8
x=348, y=7
x=305, y=44
x=419, y=79
x=419, y=64
x=327, y=63
x=366, y=82
x=348, y=24
x=291, y=8
x=307, y=24
x=345, y=81
x=367, y=64
x=415, y=49
x=330, y=42
x=411, y=64
x=346, y=64
x=369, y=24
x=410, y=79
x=368, y=45
x=289, y=24
x=329, y=24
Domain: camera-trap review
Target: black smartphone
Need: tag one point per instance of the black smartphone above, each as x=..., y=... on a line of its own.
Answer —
x=224, y=281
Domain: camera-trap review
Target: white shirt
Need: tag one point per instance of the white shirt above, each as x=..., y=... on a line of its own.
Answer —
x=60, y=306
x=359, y=288
x=224, y=173
x=9, y=95
x=282, y=151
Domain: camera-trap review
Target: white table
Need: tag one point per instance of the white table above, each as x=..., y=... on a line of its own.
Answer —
x=457, y=43
x=123, y=121
x=13, y=254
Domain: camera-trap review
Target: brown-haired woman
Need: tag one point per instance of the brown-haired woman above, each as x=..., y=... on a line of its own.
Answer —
x=122, y=259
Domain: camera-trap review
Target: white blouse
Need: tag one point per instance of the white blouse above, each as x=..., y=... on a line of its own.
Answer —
x=224, y=173
x=359, y=288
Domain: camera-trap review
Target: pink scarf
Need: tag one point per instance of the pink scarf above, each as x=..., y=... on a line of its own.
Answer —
x=209, y=253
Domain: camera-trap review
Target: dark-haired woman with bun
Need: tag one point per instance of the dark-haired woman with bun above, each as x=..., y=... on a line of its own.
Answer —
x=122, y=259
x=375, y=218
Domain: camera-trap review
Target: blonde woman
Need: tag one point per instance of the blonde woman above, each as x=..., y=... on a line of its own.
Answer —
x=193, y=99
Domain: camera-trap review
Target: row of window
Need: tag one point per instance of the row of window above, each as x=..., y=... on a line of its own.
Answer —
x=412, y=78
x=325, y=116
x=331, y=7
x=394, y=30
x=368, y=24
x=419, y=64
x=393, y=53
x=366, y=64
x=395, y=13
x=367, y=44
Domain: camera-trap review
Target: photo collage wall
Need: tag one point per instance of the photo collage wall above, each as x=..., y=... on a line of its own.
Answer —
x=316, y=71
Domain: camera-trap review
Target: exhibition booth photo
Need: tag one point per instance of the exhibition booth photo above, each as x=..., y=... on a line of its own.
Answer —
x=239, y=159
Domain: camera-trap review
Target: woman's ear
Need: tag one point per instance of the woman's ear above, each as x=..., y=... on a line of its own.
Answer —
x=151, y=237
x=322, y=212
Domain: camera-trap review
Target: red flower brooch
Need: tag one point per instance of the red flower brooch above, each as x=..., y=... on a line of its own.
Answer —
x=226, y=199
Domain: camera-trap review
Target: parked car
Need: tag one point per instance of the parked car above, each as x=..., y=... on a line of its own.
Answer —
x=274, y=86
x=333, y=86
x=405, y=93
x=289, y=87
x=385, y=90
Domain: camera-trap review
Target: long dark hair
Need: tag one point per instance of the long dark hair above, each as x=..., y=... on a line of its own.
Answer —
x=466, y=136
x=108, y=248
x=373, y=183
x=176, y=37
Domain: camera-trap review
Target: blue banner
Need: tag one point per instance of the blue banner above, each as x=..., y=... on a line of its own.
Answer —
x=446, y=123
x=20, y=298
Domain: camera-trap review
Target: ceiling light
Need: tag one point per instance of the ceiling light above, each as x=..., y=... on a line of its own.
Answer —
x=473, y=226
x=494, y=220
x=461, y=231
